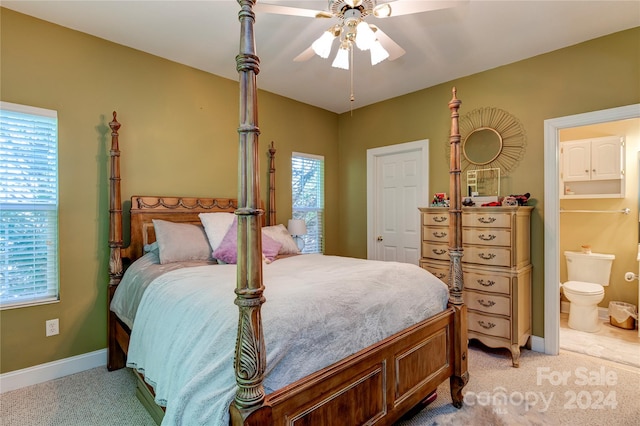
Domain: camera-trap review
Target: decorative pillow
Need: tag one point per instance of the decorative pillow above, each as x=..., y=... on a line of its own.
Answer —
x=178, y=242
x=227, y=251
x=216, y=226
x=281, y=235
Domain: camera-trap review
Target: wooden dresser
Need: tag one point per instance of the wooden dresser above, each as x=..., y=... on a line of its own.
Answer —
x=496, y=265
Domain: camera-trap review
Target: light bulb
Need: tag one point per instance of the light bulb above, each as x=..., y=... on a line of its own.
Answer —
x=342, y=59
x=322, y=46
x=378, y=53
x=364, y=36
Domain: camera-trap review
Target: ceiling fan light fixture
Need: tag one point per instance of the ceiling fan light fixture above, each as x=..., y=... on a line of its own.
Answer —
x=365, y=36
x=342, y=58
x=378, y=53
x=382, y=11
x=322, y=46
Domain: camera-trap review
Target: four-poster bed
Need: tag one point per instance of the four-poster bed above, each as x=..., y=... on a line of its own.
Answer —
x=377, y=380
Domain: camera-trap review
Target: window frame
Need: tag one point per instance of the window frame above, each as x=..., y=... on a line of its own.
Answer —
x=40, y=207
x=314, y=238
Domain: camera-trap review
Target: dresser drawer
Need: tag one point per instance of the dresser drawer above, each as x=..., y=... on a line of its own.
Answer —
x=490, y=256
x=440, y=271
x=487, y=282
x=486, y=236
x=436, y=234
x=486, y=324
x=435, y=250
x=493, y=220
x=488, y=302
x=438, y=219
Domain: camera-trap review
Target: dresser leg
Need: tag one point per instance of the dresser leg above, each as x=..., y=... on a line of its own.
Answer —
x=515, y=355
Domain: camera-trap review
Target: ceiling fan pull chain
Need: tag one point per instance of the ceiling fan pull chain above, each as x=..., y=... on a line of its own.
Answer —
x=351, y=97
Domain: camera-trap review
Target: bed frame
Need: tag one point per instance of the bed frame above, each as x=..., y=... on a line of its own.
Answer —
x=377, y=385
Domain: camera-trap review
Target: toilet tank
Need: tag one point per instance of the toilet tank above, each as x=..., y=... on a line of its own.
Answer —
x=591, y=267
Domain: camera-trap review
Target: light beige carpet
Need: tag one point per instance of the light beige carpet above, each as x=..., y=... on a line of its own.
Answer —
x=569, y=389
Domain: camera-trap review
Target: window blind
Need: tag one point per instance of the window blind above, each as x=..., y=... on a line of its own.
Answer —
x=307, y=189
x=28, y=205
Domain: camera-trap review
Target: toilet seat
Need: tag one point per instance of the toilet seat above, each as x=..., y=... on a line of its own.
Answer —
x=581, y=287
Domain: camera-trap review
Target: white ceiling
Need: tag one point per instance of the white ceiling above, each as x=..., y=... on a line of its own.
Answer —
x=441, y=45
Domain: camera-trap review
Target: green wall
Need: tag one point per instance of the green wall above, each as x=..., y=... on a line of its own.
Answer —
x=179, y=137
x=594, y=75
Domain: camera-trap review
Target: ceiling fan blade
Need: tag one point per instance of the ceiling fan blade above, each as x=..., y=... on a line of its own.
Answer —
x=305, y=55
x=394, y=49
x=291, y=11
x=407, y=7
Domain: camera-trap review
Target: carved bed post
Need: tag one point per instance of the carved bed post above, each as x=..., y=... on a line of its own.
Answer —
x=455, y=206
x=460, y=375
x=250, y=354
x=115, y=207
x=272, y=185
x=116, y=358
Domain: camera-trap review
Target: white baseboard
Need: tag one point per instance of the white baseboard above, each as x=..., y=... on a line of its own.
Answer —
x=52, y=370
x=537, y=343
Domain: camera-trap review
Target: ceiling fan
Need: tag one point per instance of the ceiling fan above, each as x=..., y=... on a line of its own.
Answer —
x=352, y=29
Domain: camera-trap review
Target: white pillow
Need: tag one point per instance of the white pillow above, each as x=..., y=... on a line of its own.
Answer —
x=280, y=234
x=216, y=226
x=178, y=242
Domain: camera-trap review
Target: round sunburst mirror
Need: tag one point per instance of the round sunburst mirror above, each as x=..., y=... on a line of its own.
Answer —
x=491, y=138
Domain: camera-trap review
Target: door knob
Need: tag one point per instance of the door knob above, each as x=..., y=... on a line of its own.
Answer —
x=379, y=238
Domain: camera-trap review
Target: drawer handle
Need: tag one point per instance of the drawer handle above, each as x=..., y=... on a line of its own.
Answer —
x=489, y=237
x=488, y=304
x=439, y=252
x=440, y=219
x=486, y=220
x=486, y=256
x=439, y=234
x=440, y=275
x=486, y=283
x=485, y=325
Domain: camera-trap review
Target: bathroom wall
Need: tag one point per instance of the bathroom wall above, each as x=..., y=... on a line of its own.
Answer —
x=614, y=233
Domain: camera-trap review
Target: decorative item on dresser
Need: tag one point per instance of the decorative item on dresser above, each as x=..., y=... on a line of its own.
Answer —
x=497, y=270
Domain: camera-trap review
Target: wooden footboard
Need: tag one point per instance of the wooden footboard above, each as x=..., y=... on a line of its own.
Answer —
x=376, y=385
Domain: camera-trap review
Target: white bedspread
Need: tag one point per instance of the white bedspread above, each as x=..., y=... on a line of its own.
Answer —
x=319, y=309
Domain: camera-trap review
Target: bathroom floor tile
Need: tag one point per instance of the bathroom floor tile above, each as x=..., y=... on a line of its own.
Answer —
x=612, y=343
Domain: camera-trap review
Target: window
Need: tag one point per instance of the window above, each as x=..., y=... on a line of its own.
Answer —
x=28, y=205
x=307, y=189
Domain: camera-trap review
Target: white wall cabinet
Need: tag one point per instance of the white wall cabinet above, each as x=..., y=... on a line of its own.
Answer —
x=592, y=168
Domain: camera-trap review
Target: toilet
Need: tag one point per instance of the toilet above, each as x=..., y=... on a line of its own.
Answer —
x=587, y=275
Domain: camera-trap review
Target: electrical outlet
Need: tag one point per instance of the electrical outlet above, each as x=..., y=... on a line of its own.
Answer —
x=52, y=327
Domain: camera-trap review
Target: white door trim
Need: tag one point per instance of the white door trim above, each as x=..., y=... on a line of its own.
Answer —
x=420, y=145
x=552, y=211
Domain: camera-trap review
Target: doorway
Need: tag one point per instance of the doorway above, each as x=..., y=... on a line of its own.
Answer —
x=552, y=129
x=397, y=184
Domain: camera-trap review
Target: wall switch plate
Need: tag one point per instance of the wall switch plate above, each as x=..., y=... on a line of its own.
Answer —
x=52, y=327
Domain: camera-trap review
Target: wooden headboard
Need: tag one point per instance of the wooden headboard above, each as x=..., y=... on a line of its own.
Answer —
x=173, y=209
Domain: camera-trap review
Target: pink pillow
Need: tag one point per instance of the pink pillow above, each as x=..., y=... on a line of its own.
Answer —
x=227, y=251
